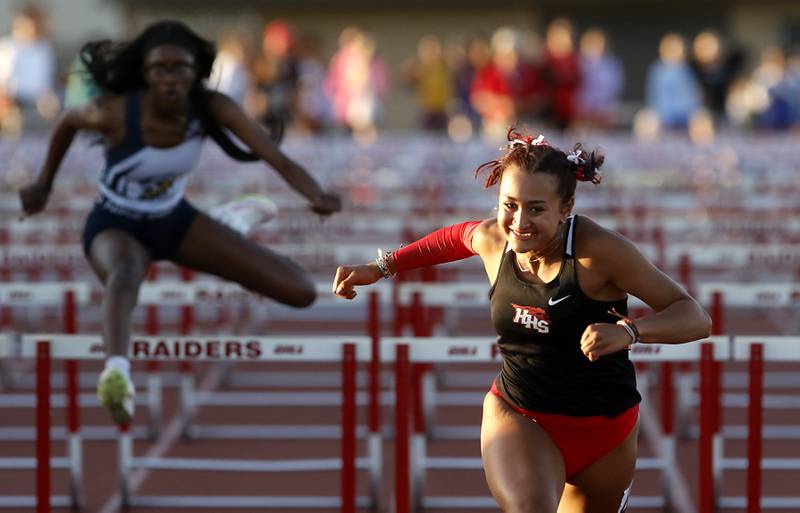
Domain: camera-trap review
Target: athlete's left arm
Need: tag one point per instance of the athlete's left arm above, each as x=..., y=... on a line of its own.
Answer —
x=231, y=116
x=678, y=317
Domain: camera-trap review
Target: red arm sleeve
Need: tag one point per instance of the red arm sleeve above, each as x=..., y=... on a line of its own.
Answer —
x=444, y=245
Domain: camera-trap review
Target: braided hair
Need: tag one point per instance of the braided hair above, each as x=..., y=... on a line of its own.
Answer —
x=117, y=68
x=536, y=155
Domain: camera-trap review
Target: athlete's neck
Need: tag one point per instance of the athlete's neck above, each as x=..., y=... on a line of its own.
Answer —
x=177, y=114
x=532, y=261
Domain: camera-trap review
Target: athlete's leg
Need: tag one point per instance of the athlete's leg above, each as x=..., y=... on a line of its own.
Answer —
x=602, y=486
x=212, y=247
x=524, y=468
x=120, y=262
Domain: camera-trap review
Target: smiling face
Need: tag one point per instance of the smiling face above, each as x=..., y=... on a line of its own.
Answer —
x=169, y=73
x=530, y=209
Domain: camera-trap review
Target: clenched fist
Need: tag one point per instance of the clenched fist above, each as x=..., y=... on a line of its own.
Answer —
x=348, y=276
x=600, y=339
x=327, y=204
x=34, y=197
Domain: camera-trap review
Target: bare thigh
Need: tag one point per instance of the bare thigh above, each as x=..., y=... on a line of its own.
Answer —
x=114, y=250
x=121, y=263
x=600, y=487
x=212, y=247
x=524, y=468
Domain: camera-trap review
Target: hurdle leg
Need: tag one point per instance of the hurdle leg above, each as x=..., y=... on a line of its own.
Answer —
x=374, y=451
x=154, y=404
x=428, y=391
x=124, y=459
x=374, y=439
x=154, y=392
x=718, y=440
x=667, y=430
x=684, y=409
x=418, y=442
x=348, y=476
x=43, y=427
x=706, y=465
x=754, y=428
x=402, y=406
x=188, y=399
x=75, y=443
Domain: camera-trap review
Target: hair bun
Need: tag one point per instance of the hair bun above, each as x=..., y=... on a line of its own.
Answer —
x=586, y=165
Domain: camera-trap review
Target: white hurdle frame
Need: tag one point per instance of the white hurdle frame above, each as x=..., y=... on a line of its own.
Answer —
x=347, y=350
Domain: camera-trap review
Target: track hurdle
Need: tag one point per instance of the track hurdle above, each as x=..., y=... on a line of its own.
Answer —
x=719, y=296
x=710, y=353
x=186, y=295
x=757, y=350
x=346, y=350
x=70, y=294
x=43, y=461
x=411, y=460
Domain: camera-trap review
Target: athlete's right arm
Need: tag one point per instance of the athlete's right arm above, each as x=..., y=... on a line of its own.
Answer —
x=94, y=115
x=447, y=244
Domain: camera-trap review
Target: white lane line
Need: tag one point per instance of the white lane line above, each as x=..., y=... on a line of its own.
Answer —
x=167, y=440
x=678, y=489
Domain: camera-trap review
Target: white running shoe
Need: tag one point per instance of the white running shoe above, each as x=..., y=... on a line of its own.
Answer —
x=245, y=213
x=115, y=391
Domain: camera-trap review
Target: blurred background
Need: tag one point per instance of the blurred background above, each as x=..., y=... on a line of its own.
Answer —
x=444, y=65
x=393, y=105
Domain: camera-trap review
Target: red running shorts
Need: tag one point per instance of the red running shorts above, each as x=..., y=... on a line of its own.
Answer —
x=582, y=440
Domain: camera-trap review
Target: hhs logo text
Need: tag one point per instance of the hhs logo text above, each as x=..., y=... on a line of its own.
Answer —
x=532, y=317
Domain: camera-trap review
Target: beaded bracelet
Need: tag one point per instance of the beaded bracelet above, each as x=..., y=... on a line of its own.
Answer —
x=382, y=261
x=629, y=326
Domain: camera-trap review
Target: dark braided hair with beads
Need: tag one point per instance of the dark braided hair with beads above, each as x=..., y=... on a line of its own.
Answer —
x=536, y=155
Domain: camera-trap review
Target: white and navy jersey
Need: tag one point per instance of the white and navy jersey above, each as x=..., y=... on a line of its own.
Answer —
x=144, y=179
x=539, y=329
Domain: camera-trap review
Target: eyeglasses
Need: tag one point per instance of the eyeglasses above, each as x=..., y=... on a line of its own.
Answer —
x=181, y=70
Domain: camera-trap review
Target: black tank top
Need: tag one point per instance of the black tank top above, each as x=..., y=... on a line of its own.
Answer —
x=539, y=330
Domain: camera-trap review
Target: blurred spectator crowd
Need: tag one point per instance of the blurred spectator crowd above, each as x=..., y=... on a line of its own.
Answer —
x=562, y=79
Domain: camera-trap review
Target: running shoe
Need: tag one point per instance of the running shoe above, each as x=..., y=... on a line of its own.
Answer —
x=115, y=391
x=246, y=213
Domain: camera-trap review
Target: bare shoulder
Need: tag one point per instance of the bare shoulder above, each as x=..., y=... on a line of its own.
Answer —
x=598, y=247
x=488, y=239
x=488, y=242
x=105, y=114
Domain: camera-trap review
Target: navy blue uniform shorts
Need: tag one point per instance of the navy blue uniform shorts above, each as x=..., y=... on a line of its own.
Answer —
x=161, y=235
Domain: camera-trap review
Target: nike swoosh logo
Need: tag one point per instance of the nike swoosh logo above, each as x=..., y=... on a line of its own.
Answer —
x=557, y=301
